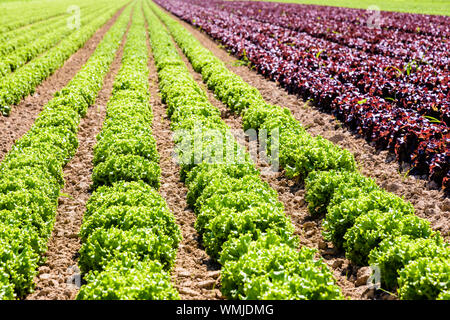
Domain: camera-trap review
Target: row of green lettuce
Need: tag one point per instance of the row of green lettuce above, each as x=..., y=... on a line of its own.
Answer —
x=240, y=219
x=23, y=82
x=14, y=27
x=371, y=225
x=21, y=37
x=46, y=40
x=19, y=16
x=18, y=38
x=129, y=235
x=31, y=173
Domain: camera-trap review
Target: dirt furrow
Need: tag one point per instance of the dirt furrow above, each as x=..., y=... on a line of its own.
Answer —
x=292, y=196
x=23, y=115
x=430, y=204
x=195, y=275
x=59, y=277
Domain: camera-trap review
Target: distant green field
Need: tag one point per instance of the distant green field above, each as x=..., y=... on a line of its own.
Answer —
x=15, y=1
x=440, y=7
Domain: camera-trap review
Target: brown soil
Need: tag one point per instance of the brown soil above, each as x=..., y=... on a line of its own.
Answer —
x=292, y=197
x=57, y=278
x=23, y=115
x=195, y=275
x=429, y=203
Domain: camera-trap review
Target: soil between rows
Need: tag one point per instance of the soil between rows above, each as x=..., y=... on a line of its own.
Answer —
x=292, y=196
x=57, y=278
x=430, y=204
x=195, y=275
x=23, y=115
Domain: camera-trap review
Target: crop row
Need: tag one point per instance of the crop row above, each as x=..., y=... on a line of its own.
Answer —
x=19, y=84
x=299, y=51
x=409, y=85
x=20, y=15
x=21, y=56
x=21, y=37
x=416, y=24
x=242, y=223
x=31, y=173
x=412, y=137
x=129, y=236
x=363, y=35
x=400, y=72
x=378, y=228
x=370, y=224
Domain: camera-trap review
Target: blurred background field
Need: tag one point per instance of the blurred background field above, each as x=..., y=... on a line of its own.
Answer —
x=440, y=7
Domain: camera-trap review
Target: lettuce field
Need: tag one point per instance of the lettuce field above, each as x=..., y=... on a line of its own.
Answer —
x=224, y=150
